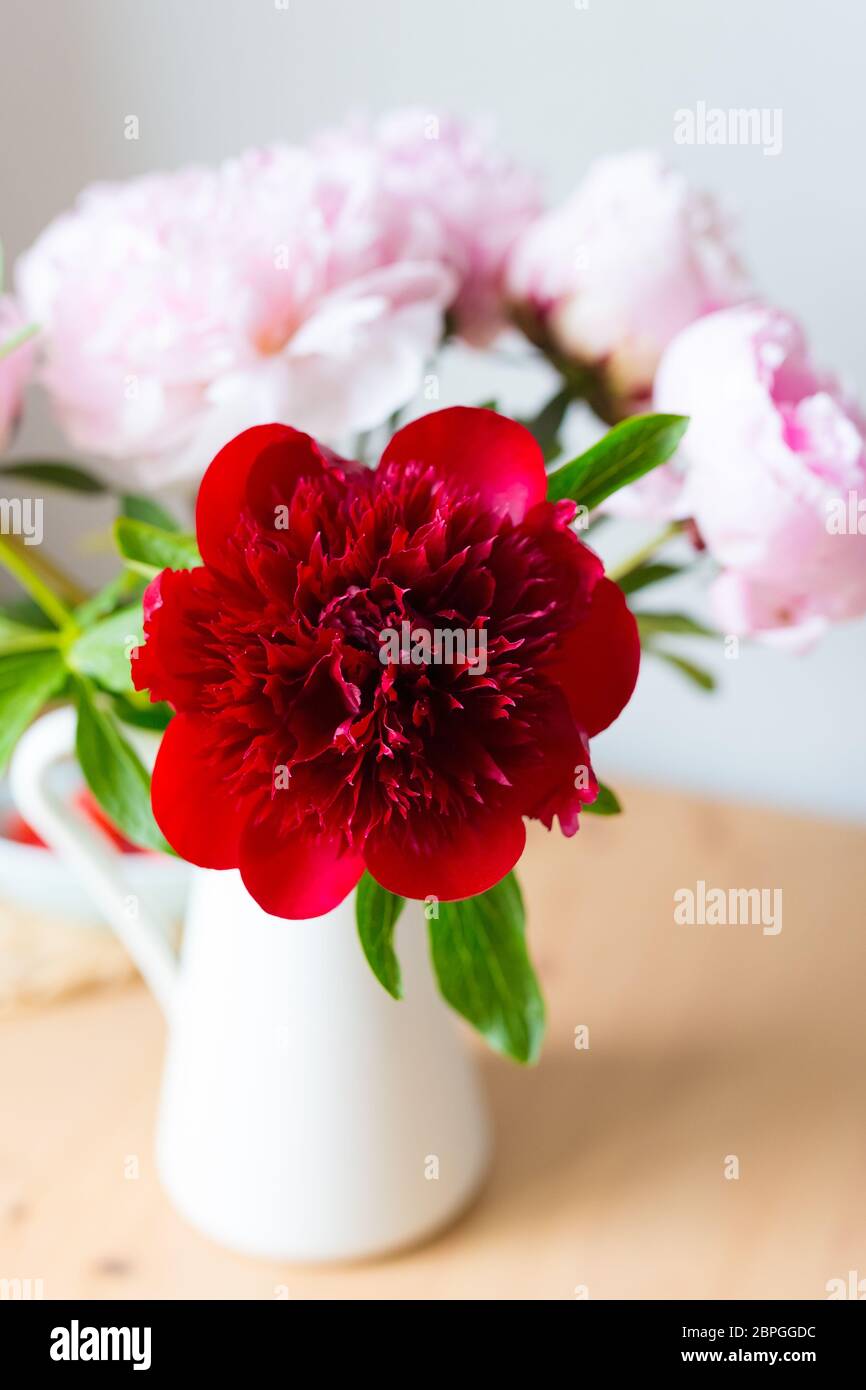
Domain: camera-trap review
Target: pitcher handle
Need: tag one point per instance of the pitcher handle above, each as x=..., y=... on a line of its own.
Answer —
x=87, y=853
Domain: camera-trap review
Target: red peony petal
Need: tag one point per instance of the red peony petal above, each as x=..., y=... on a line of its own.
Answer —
x=573, y=561
x=177, y=607
x=222, y=495
x=455, y=862
x=294, y=874
x=598, y=662
x=192, y=808
x=483, y=452
x=549, y=787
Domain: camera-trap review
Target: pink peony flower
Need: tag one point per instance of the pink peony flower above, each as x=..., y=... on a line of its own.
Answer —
x=773, y=471
x=463, y=197
x=15, y=366
x=608, y=278
x=182, y=308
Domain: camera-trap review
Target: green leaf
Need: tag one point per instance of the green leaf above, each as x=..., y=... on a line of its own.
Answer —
x=545, y=426
x=54, y=473
x=114, y=773
x=484, y=972
x=705, y=680
x=27, y=611
x=377, y=912
x=27, y=681
x=103, y=651
x=123, y=586
x=149, y=549
x=145, y=509
x=680, y=623
x=605, y=804
x=137, y=710
x=18, y=637
x=626, y=453
x=644, y=575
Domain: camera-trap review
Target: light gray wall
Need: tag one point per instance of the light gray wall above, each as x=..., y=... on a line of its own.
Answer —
x=566, y=82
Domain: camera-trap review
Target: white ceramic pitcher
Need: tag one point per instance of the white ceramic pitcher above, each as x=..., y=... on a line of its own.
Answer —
x=305, y=1114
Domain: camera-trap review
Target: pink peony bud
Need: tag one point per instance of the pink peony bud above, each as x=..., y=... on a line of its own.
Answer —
x=607, y=279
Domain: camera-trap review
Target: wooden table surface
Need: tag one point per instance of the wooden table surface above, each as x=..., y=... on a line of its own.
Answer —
x=705, y=1042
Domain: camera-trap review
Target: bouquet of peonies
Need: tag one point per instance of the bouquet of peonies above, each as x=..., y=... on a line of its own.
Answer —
x=367, y=677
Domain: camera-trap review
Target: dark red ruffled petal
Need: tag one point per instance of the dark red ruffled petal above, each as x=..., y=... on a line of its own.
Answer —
x=560, y=780
x=222, y=496
x=191, y=802
x=597, y=664
x=484, y=453
x=292, y=873
x=574, y=563
x=450, y=861
x=173, y=664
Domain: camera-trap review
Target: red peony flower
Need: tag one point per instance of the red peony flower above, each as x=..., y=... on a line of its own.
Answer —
x=303, y=748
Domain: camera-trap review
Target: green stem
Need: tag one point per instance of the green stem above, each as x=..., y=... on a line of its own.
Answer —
x=66, y=589
x=13, y=561
x=645, y=553
x=18, y=339
x=37, y=642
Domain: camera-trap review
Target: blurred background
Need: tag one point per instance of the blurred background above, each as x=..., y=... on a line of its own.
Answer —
x=565, y=81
